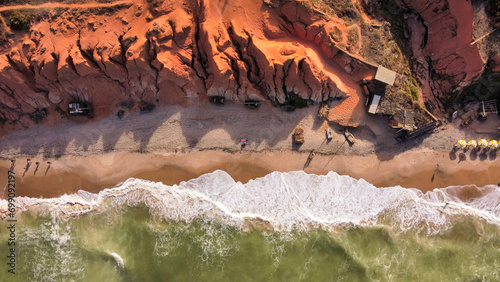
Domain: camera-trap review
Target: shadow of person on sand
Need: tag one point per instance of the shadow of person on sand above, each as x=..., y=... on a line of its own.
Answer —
x=48, y=167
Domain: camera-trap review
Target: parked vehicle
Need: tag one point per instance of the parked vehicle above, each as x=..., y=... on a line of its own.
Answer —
x=329, y=134
x=350, y=138
x=80, y=109
x=252, y=104
x=218, y=100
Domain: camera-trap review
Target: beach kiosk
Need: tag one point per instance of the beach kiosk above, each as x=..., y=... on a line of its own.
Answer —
x=385, y=75
x=375, y=90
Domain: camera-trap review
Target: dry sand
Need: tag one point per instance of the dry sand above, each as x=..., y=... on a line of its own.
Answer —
x=176, y=144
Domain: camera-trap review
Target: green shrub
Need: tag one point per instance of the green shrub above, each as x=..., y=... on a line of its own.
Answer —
x=19, y=21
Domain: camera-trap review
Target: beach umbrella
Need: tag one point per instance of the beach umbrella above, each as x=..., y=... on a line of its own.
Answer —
x=461, y=144
x=472, y=144
x=493, y=144
x=483, y=144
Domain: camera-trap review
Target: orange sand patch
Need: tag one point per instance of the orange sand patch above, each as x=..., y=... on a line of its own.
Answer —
x=463, y=11
x=349, y=112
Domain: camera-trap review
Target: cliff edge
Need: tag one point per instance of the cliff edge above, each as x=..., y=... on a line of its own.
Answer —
x=135, y=55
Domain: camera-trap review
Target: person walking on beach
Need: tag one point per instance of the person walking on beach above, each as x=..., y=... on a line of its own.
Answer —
x=49, y=163
x=28, y=163
x=12, y=165
x=36, y=168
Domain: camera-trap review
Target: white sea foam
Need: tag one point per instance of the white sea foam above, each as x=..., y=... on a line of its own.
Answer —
x=118, y=259
x=282, y=201
x=55, y=248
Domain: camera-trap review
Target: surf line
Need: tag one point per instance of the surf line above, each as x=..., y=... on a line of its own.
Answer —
x=11, y=241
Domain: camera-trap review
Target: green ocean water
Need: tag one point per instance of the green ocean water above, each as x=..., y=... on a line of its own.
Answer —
x=135, y=242
x=52, y=249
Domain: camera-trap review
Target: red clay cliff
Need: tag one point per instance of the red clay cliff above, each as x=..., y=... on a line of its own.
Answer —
x=134, y=55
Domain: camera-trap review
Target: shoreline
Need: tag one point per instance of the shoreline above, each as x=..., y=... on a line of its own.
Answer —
x=426, y=171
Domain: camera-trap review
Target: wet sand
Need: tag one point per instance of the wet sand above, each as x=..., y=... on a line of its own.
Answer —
x=424, y=170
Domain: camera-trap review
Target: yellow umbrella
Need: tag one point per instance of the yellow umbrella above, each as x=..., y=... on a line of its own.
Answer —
x=461, y=144
x=472, y=144
x=483, y=144
x=493, y=144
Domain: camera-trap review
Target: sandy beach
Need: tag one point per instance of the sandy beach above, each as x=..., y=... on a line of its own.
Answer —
x=67, y=175
x=177, y=144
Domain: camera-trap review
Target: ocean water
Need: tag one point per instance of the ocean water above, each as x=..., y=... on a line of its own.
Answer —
x=282, y=227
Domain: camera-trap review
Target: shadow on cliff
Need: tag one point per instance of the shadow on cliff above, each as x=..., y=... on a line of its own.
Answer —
x=264, y=126
x=81, y=134
x=35, y=141
x=174, y=127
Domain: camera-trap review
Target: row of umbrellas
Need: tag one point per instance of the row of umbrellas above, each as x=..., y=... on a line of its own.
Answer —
x=483, y=144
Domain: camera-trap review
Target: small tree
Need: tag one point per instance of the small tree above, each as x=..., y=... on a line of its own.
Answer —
x=19, y=21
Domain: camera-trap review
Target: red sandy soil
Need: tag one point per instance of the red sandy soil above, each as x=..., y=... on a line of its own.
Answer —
x=167, y=52
x=448, y=54
x=162, y=52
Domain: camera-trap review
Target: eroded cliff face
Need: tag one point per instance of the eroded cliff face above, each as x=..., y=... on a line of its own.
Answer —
x=157, y=52
x=443, y=57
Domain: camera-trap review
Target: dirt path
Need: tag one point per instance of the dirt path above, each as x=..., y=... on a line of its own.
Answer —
x=62, y=5
x=351, y=111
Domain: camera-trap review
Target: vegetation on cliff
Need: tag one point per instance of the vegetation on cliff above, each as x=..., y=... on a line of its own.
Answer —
x=19, y=21
x=382, y=43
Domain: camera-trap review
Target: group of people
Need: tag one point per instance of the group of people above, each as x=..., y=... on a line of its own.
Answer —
x=472, y=144
x=28, y=165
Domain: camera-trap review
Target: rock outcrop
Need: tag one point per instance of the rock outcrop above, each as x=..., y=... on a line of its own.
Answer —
x=443, y=57
x=159, y=52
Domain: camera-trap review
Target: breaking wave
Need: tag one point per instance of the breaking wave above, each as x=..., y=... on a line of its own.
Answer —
x=284, y=202
x=118, y=259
